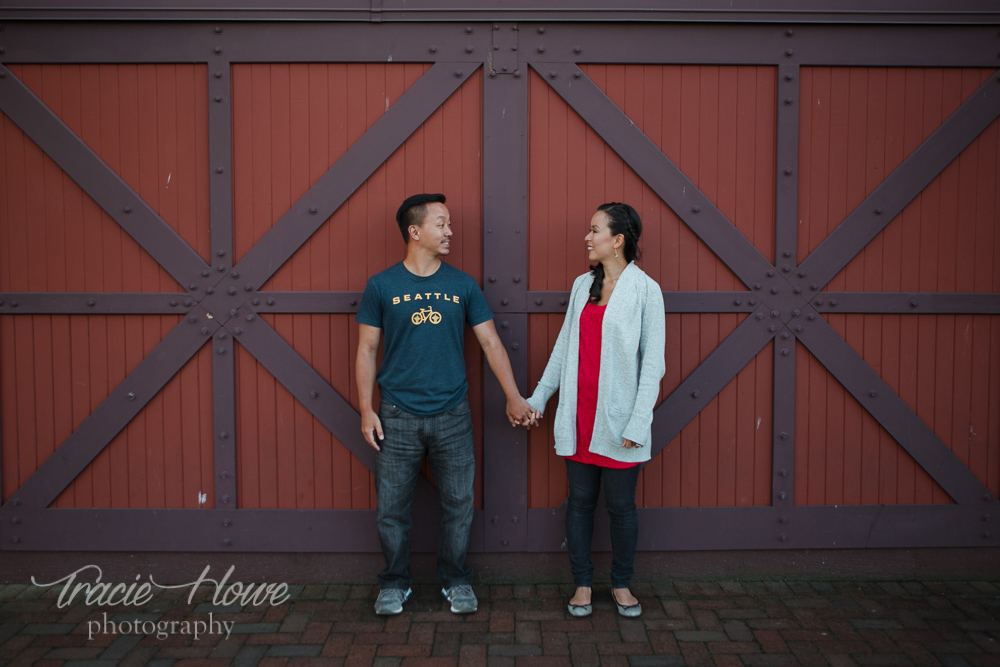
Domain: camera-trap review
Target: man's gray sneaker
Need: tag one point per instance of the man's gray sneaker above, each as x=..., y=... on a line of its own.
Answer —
x=462, y=599
x=390, y=600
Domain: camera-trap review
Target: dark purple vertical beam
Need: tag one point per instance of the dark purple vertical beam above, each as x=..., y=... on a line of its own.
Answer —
x=787, y=163
x=117, y=410
x=367, y=154
x=783, y=411
x=892, y=413
x=901, y=186
x=709, y=378
x=505, y=264
x=104, y=186
x=669, y=183
x=220, y=150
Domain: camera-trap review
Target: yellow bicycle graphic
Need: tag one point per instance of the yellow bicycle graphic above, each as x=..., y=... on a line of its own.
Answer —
x=424, y=315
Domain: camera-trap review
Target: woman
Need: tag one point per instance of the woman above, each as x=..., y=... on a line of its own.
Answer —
x=608, y=361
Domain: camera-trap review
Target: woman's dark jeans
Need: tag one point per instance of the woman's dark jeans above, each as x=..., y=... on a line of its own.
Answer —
x=447, y=441
x=619, y=497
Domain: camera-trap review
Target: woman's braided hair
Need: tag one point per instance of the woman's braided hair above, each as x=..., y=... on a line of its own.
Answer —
x=622, y=219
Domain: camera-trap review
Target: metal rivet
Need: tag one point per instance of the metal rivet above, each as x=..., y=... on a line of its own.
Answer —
x=788, y=53
x=562, y=302
x=515, y=346
x=238, y=331
x=493, y=279
x=91, y=302
x=469, y=49
x=783, y=435
x=222, y=268
x=784, y=351
x=783, y=472
x=173, y=303
x=209, y=290
x=16, y=540
x=15, y=304
x=17, y=501
x=788, y=77
x=227, y=523
x=986, y=518
x=223, y=335
x=468, y=30
x=226, y=498
x=796, y=312
x=495, y=519
x=986, y=534
x=786, y=268
x=695, y=208
x=517, y=72
x=255, y=301
x=878, y=211
x=249, y=287
x=541, y=49
x=16, y=521
x=517, y=279
x=782, y=538
x=772, y=328
x=354, y=302
x=756, y=285
x=577, y=74
x=789, y=33
x=270, y=300
x=770, y=274
x=222, y=350
x=802, y=274
x=130, y=396
x=218, y=30
x=228, y=542
x=250, y=318
x=224, y=435
x=504, y=301
x=314, y=394
x=799, y=329
x=695, y=394
x=811, y=316
x=541, y=31
x=818, y=302
x=737, y=302
x=774, y=290
x=218, y=170
x=788, y=172
x=553, y=75
x=458, y=74
x=833, y=303
x=218, y=49
x=752, y=302
x=759, y=316
x=433, y=49
x=538, y=302
x=505, y=541
x=218, y=98
x=513, y=519
x=873, y=393
x=783, y=495
x=192, y=287
x=232, y=290
x=234, y=312
x=221, y=253
x=127, y=209
x=788, y=101
x=313, y=210
x=205, y=331
x=577, y=50
x=814, y=287
x=192, y=320
x=218, y=75
x=505, y=324
x=235, y=274
x=785, y=335
x=914, y=304
x=205, y=273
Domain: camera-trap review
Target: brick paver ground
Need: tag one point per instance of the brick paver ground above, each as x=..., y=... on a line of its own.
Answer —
x=766, y=623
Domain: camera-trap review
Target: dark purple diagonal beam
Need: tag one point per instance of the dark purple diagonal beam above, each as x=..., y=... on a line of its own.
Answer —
x=117, y=410
x=312, y=210
x=901, y=186
x=305, y=384
x=102, y=184
x=668, y=182
x=875, y=396
x=709, y=378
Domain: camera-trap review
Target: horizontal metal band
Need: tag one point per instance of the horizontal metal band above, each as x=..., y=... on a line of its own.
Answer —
x=211, y=530
x=801, y=527
x=907, y=302
x=673, y=302
x=308, y=302
x=94, y=303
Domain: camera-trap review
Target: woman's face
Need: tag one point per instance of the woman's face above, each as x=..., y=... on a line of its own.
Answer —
x=600, y=242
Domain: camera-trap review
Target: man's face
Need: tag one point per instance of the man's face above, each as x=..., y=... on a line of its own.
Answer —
x=434, y=234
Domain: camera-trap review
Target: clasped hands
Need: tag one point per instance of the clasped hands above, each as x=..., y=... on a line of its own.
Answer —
x=519, y=413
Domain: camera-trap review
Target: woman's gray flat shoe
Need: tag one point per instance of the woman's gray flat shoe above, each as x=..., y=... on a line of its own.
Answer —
x=629, y=611
x=580, y=610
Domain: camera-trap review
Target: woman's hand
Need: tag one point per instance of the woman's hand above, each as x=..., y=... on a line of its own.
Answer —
x=628, y=444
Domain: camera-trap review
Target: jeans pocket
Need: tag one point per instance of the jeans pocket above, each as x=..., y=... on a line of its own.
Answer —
x=386, y=409
x=461, y=409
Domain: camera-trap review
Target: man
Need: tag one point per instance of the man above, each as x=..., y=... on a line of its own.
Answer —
x=421, y=306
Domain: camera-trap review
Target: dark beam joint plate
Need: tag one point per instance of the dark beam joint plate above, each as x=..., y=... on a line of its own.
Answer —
x=893, y=414
x=117, y=410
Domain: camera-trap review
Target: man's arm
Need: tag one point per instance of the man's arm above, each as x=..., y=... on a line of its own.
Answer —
x=371, y=425
x=518, y=410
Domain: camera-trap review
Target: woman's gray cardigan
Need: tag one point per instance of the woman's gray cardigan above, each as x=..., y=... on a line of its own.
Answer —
x=632, y=364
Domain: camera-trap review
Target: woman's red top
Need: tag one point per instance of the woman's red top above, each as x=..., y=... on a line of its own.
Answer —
x=591, y=320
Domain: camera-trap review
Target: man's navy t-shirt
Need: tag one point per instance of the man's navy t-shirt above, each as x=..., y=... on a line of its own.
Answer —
x=423, y=325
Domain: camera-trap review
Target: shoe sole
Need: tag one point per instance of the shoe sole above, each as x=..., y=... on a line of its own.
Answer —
x=460, y=611
x=409, y=592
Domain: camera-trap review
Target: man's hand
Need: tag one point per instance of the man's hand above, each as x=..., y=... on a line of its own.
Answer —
x=371, y=426
x=519, y=413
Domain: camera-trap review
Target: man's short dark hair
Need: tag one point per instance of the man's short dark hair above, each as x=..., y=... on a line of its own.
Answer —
x=413, y=210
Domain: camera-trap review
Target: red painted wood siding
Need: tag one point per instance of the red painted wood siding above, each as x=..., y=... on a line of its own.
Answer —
x=291, y=124
x=717, y=124
x=147, y=122
x=857, y=125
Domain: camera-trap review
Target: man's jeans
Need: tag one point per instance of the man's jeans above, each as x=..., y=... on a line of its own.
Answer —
x=447, y=440
x=619, y=497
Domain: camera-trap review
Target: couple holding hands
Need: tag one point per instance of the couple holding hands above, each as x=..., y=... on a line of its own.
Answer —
x=607, y=364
